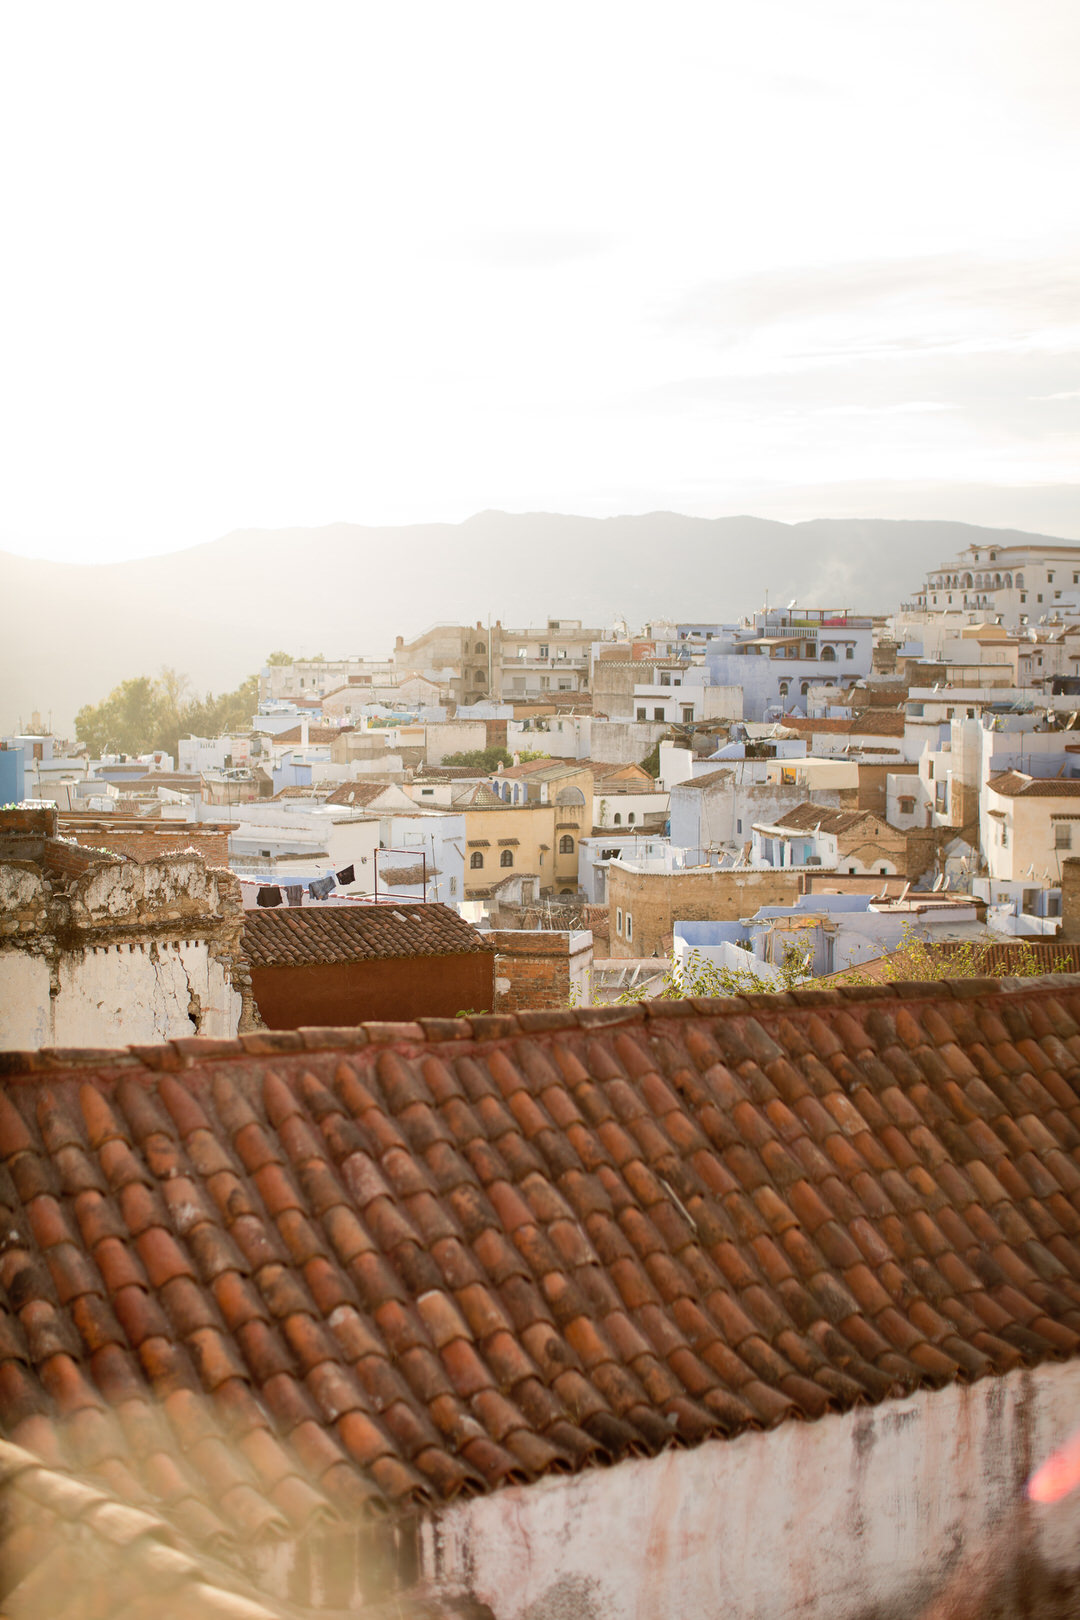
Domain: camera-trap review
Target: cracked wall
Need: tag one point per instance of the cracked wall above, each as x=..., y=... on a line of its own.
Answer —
x=122, y=952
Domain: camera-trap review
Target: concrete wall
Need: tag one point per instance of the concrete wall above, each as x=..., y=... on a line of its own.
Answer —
x=914, y=1508
x=624, y=742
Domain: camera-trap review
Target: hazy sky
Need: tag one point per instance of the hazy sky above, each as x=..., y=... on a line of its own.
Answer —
x=287, y=264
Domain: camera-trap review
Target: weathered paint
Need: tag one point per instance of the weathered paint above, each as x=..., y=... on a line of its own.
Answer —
x=912, y=1508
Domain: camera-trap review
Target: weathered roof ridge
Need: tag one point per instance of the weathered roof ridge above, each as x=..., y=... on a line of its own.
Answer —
x=187, y=1051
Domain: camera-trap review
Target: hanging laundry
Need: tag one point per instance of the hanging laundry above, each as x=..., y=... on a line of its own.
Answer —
x=319, y=888
x=268, y=895
x=294, y=893
x=347, y=875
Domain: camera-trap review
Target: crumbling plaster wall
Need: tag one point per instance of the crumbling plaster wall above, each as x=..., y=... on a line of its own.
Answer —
x=914, y=1508
x=127, y=952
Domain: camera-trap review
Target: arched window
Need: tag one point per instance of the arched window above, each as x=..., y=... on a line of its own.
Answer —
x=478, y=678
x=476, y=860
x=480, y=647
x=828, y=655
x=506, y=858
x=785, y=688
x=1019, y=582
x=618, y=818
x=1008, y=582
x=631, y=818
x=804, y=688
x=566, y=845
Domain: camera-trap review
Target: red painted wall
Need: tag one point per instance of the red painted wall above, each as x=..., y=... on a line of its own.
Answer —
x=401, y=988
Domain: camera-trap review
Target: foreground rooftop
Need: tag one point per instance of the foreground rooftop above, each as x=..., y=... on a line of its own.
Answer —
x=268, y=1283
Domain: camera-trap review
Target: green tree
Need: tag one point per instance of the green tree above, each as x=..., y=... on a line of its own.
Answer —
x=280, y=657
x=917, y=958
x=142, y=714
x=480, y=759
x=651, y=762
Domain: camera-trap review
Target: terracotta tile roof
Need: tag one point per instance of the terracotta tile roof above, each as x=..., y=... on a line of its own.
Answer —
x=708, y=779
x=357, y=793
x=1015, y=785
x=805, y=817
x=304, y=934
x=868, y=722
x=263, y=1281
x=400, y=877
x=316, y=733
x=69, y=1548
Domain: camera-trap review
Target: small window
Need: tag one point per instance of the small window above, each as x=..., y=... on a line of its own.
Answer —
x=658, y=713
x=453, y=885
x=738, y=826
x=1049, y=578
x=643, y=714
x=631, y=818
x=476, y=860
x=687, y=713
x=506, y=858
x=426, y=793
x=618, y=920
x=1004, y=835
x=543, y=650
x=478, y=678
x=629, y=926
x=566, y=845
x=1062, y=835
x=907, y=807
x=849, y=652
x=618, y=818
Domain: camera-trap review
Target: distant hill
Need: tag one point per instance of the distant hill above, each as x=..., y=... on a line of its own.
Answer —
x=73, y=631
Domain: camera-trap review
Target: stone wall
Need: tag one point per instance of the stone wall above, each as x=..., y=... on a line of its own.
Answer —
x=657, y=900
x=541, y=968
x=1070, y=899
x=151, y=845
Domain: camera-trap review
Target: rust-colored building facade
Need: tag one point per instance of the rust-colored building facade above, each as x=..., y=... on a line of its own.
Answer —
x=342, y=965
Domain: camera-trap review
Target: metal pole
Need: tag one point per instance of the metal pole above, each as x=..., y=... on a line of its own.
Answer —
x=423, y=858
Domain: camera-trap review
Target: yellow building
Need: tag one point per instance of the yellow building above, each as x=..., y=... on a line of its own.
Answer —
x=538, y=841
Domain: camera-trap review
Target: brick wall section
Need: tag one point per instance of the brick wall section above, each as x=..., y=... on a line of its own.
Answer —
x=1070, y=899
x=533, y=968
x=150, y=846
x=657, y=900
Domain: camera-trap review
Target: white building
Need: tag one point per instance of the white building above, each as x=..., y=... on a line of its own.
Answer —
x=1018, y=584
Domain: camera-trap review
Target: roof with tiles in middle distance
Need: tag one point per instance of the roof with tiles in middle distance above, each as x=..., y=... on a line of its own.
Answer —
x=296, y=936
x=867, y=722
x=1015, y=785
x=808, y=817
x=264, y=1281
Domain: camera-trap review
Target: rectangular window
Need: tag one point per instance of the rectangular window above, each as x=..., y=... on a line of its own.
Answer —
x=687, y=713
x=849, y=652
x=1049, y=578
x=643, y=714
x=1004, y=835
x=543, y=649
x=658, y=714
x=618, y=920
x=1062, y=835
x=629, y=927
x=907, y=807
x=1023, y=596
x=738, y=826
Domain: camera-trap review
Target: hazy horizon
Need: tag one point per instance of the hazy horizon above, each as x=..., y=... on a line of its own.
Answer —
x=383, y=266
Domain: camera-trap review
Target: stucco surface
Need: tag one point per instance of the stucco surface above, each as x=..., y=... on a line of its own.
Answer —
x=913, y=1508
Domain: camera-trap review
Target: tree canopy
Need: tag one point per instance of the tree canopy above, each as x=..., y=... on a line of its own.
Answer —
x=145, y=713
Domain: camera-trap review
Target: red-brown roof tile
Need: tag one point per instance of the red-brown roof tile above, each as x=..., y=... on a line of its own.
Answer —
x=297, y=936
x=391, y=1264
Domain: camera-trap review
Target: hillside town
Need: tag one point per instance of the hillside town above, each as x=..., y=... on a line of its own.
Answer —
x=559, y=815
x=511, y=1100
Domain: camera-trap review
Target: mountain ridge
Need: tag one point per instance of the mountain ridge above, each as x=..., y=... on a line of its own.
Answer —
x=214, y=610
